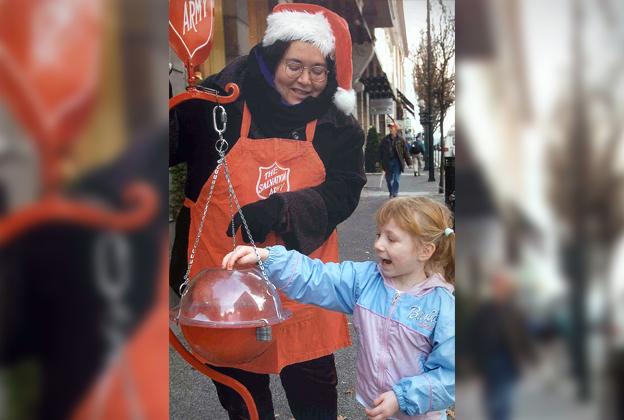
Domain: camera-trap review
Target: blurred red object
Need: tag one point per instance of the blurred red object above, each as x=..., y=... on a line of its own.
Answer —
x=141, y=197
x=49, y=61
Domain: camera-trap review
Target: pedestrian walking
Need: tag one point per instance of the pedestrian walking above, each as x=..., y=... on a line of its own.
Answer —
x=501, y=345
x=405, y=368
x=417, y=151
x=295, y=156
x=393, y=154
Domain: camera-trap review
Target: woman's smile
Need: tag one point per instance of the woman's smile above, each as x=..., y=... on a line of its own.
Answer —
x=302, y=93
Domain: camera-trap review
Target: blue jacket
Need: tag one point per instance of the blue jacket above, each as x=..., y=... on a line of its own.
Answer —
x=406, y=340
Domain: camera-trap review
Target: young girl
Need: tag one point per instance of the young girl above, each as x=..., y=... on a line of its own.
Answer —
x=403, y=308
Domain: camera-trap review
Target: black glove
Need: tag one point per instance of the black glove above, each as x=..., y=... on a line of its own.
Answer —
x=262, y=217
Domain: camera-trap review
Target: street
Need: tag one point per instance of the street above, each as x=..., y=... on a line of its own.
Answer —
x=544, y=392
x=193, y=396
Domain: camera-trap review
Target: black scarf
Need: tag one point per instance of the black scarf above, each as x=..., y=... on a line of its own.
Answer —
x=271, y=115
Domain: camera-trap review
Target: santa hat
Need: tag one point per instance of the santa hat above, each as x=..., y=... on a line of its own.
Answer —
x=325, y=30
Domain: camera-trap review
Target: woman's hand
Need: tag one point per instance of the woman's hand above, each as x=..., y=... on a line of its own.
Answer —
x=262, y=216
x=385, y=406
x=243, y=255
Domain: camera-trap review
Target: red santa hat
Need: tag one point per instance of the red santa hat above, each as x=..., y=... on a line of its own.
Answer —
x=325, y=30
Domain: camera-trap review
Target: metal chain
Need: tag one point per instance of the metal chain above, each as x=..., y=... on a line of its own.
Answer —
x=253, y=244
x=278, y=306
x=201, y=225
x=232, y=224
x=221, y=146
x=183, y=287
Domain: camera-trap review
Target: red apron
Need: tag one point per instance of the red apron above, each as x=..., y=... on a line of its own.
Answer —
x=259, y=168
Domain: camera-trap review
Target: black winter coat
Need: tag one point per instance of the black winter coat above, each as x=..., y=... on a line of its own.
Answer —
x=499, y=331
x=385, y=152
x=314, y=212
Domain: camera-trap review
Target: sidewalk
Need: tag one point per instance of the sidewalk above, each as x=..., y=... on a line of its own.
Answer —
x=410, y=185
x=546, y=391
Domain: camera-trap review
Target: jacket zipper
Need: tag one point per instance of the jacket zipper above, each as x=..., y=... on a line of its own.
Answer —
x=385, y=351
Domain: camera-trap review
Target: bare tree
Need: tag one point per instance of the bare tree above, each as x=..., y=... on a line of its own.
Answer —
x=442, y=69
x=587, y=188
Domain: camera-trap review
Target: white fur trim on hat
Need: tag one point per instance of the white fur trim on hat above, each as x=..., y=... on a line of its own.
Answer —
x=345, y=100
x=299, y=26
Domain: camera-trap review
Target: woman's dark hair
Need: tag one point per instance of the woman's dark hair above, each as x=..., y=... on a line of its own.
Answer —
x=274, y=53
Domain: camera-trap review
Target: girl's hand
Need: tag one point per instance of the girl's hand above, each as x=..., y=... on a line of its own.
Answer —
x=243, y=255
x=385, y=406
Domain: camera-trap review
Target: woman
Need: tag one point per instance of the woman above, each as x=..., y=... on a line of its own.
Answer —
x=296, y=161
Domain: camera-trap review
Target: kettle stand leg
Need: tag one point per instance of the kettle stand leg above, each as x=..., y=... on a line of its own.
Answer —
x=213, y=374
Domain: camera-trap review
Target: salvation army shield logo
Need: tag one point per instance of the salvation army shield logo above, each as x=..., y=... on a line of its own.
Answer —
x=191, y=27
x=271, y=180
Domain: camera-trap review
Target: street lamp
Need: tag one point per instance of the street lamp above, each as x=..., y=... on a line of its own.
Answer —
x=429, y=99
x=427, y=120
x=424, y=122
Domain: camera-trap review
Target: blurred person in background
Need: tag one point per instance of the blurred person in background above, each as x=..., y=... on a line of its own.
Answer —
x=615, y=335
x=417, y=151
x=4, y=204
x=501, y=345
x=393, y=154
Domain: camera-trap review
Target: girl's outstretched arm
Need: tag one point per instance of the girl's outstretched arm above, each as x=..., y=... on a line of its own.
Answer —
x=330, y=286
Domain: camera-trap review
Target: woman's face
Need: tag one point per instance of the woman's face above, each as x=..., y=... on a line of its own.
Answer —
x=296, y=90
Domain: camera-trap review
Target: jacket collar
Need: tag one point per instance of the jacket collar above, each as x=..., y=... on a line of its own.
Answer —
x=423, y=288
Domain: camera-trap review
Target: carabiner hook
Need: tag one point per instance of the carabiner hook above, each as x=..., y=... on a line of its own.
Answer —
x=223, y=119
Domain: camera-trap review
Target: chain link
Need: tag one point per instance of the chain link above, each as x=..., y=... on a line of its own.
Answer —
x=232, y=224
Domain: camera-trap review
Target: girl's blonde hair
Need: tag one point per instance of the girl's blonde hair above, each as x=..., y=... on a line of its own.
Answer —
x=427, y=220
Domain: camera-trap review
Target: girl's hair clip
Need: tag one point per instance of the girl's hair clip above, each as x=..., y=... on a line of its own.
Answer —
x=448, y=231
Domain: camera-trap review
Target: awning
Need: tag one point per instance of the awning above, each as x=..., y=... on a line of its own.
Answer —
x=408, y=105
x=410, y=111
x=378, y=87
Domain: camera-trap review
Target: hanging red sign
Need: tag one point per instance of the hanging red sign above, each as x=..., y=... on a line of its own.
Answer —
x=49, y=60
x=191, y=27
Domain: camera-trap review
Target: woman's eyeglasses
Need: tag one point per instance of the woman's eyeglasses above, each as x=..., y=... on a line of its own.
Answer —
x=294, y=70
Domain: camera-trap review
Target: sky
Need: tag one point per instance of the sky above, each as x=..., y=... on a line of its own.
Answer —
x=547, y=63
x=415, y=14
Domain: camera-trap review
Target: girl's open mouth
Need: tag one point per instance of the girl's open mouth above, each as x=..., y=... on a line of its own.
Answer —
x=386, y=262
